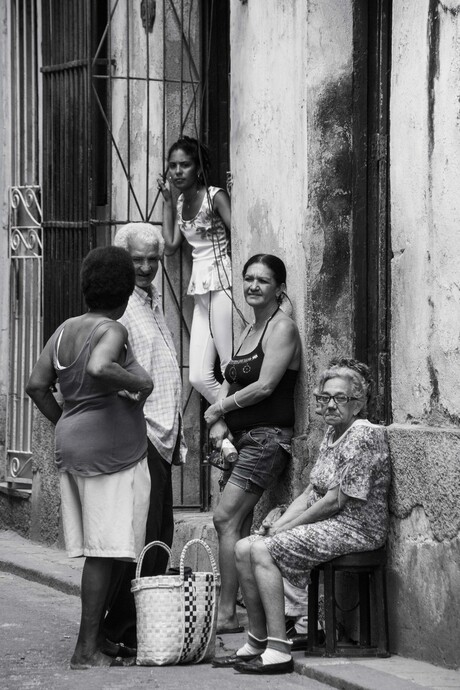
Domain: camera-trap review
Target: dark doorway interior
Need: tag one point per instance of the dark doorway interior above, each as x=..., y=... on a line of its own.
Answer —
x=372, y=250
x=216, y=68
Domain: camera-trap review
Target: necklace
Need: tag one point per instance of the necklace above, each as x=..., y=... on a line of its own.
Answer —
x=188, y=203
x=252, y=326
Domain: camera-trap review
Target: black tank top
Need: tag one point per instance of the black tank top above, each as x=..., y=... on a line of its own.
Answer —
x=275, y=410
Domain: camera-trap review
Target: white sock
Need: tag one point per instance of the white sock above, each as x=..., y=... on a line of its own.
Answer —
x=273, y=656
x=247, y=650
x=252, y=646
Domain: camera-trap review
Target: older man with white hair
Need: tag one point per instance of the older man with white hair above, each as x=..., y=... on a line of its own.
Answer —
x=153, y=348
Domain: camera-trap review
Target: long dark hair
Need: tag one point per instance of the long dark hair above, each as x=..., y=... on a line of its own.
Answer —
x=197, y=151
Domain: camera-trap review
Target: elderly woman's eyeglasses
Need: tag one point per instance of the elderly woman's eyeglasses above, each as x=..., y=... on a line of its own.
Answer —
x=339, y=398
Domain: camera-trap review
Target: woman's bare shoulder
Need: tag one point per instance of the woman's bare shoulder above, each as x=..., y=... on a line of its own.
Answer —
x=284, y=326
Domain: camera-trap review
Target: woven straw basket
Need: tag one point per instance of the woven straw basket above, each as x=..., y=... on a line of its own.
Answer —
x=176, y=614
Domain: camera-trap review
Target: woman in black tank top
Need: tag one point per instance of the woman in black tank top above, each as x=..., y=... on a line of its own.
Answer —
x=255, y=410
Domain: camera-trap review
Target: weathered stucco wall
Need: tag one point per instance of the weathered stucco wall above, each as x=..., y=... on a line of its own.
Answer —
x=425, y=210
x=291, y=165
x=328, y=222
x=425, y=442
x=424, y=544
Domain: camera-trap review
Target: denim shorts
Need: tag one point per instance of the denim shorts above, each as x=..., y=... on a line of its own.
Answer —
x=263, y=453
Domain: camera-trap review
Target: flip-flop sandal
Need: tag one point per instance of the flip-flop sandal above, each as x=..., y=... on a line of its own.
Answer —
x=117, y=661
x=230, y=631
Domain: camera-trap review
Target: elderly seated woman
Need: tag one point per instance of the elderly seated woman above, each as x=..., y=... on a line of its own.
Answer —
x=344, y=509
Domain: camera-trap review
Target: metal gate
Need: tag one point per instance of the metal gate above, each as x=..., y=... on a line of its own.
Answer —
x=121, y=81
x=25, y=244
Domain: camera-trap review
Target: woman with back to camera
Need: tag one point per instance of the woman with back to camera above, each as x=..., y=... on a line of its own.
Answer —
x=203, y=218
x=344, y=509
x=255, y=408
x=100, y=443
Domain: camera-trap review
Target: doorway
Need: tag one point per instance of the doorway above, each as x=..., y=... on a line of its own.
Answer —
x=371, y=221
x=121, y=82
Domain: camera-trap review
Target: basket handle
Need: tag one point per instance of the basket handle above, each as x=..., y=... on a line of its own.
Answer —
x=208, y=550
x=144, y=551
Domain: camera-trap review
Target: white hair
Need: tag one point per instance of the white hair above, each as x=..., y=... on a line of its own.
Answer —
x=143, y=231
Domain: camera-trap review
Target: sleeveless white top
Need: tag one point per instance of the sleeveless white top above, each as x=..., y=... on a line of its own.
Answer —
x=207, y=234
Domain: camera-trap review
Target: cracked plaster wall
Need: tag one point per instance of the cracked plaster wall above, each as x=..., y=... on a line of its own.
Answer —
x=291, y=112
x=425, y=212
x=424, y=572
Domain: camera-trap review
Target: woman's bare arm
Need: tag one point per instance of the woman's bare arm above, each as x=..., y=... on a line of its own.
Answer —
x=327, y=506
x=170, y=229
x=280, y=349
x=38, y=387
x=104, y=363
x=222, y=206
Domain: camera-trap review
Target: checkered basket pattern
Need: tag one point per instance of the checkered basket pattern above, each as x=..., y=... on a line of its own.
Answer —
x=176, y=615
x=200, y=610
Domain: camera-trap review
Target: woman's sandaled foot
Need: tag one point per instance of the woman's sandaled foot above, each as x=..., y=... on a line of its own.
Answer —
x=99, y=660
x=229, y=626
x=229, y=631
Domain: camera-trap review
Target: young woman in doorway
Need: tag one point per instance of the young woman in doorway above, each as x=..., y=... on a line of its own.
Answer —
x=202, y=217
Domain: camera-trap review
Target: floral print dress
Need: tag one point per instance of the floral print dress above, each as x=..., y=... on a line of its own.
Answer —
x=207, y=235
x=359, y=463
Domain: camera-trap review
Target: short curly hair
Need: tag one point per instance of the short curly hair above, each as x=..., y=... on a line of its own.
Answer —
x=358, y=374
x=143, y=231
x=107, y=277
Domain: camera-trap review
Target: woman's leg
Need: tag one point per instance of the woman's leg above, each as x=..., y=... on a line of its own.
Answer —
x=262, y=585
x=222, y=326
x=95, y=583
x=249, y=587
x=269, y=583
x=203, y=351
x=230, y=518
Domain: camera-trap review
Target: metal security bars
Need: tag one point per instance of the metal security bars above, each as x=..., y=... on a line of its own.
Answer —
x=121, y=81
x=68, y=174
x=147, y=89
x=25, y=243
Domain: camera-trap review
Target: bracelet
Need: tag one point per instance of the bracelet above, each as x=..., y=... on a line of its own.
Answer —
x=221, y=405
x=236, y=401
